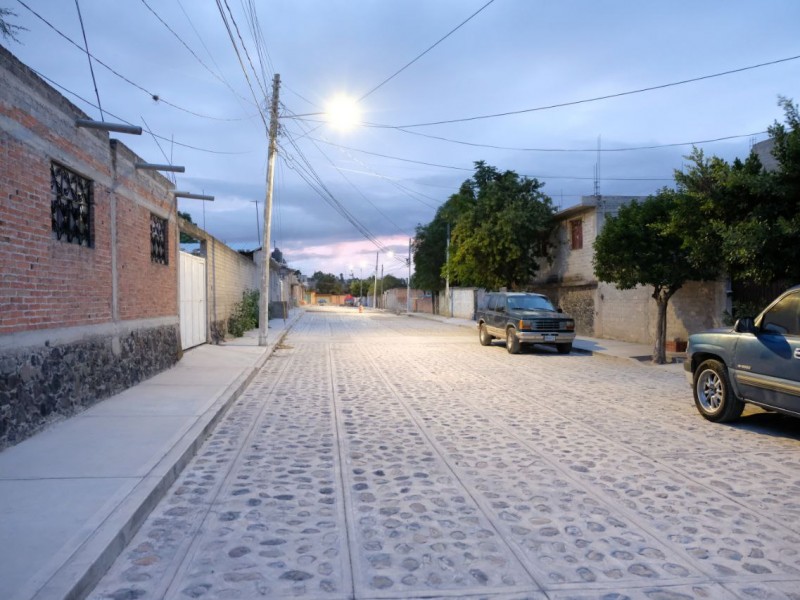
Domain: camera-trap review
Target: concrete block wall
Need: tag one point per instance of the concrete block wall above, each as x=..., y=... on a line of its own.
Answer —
x=77, y=323
x=229, y=275
x=631, y=315
x=462, y=304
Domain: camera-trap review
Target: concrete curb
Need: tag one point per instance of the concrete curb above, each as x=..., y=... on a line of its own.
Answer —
x=76, y=578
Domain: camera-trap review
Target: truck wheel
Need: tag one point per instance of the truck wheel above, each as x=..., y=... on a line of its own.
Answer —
x=713, y=395
x=564, y=348
x=512, y=342
x=483, y=335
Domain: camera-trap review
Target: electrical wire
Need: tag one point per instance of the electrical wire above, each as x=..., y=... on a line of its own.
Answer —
x=593, y=150
x=261, y=85
x=238, y=96
x=596, y=98
x=396, y=73
x=306, y=171
x=152, y=95
x=89, y=56
x=244, y=69
x=429, y=164
x=121, y=120
x=360, y=193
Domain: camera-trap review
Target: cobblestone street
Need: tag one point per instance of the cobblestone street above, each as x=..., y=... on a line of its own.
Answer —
x=381, y=456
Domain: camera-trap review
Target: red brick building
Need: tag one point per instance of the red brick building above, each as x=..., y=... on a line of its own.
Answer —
x=88, y=260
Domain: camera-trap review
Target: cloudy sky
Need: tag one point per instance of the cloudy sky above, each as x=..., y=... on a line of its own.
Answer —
x=341, y=196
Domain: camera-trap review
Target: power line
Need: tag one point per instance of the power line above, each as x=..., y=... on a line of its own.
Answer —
x=238, y=96
x=593, y=150
x=307, y=172
x=89, y=57
x=246, y=53
x=120, y=119
x=241, y=64
x=429, y=164
x=152, y=95
x=396, y=73
x=595, y=99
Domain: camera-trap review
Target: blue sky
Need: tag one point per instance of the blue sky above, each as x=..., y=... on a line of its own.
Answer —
x=513, y=55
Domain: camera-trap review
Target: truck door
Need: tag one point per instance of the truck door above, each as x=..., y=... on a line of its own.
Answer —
x=767, y=364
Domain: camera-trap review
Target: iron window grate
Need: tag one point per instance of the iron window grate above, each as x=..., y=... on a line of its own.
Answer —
x=158, y=240
x=71, y=206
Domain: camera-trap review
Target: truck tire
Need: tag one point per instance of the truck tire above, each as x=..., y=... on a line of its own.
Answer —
x=483, y=335
x=512, y=341
x=564, y=348
x=713, y=395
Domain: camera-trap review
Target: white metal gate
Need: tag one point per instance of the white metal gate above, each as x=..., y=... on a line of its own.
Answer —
x=193, y=300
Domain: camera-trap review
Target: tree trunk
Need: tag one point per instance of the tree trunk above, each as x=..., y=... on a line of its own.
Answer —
x=661, y=296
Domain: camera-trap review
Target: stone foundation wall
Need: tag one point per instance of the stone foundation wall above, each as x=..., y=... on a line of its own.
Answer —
x=43, y=384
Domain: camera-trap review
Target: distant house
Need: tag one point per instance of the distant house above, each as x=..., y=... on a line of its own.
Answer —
x=600, y=309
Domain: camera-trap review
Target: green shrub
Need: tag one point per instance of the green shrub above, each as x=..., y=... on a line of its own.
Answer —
x=245, y=314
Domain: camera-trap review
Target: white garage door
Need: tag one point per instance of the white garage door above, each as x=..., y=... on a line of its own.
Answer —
x=193, y=300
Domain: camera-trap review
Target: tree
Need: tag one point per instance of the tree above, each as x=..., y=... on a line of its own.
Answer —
x=741, y=217
x=327, y=283
x=637, y=247
x=277, y=256
x=9, y=30
x=185, y=238
x=502, y=229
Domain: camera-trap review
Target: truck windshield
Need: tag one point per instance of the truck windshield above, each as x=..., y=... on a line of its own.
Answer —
x=529, y=303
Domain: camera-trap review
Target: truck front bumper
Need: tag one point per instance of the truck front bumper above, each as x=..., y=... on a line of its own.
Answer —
x=531, y=337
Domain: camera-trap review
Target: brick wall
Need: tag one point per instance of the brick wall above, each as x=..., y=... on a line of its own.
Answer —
x=100, y=317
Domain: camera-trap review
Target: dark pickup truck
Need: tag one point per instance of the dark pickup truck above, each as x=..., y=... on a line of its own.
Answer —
x=520, y=318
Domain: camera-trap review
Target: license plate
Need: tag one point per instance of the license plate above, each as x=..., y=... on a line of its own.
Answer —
x=549, y=337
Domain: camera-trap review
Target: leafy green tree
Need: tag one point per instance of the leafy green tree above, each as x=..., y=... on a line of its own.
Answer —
x=502, y=229
x=390, y=282
x=327, y=283
x=185, y=238
x=741, y=217
x=637, y=247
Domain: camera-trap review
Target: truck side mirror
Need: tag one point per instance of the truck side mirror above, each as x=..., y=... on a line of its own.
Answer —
x=745, y=325
x=559, y=310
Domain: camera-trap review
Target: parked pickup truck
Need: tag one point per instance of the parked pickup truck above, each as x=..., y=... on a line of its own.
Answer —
x=757, y=361
x=520, y=318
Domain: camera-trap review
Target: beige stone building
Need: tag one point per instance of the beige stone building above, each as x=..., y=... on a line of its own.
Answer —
x=600, y=309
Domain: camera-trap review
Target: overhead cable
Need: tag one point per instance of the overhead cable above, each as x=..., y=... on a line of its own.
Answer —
x=241, y=64
x=153, y=96
x=596, y=98
x=593, y=150
x=429, y=164
x=89, y=56
x=396, y=73
x=120, y=119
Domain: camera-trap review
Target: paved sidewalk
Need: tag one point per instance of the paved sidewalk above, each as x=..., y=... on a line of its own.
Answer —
x=613, y=349
x=72, y=496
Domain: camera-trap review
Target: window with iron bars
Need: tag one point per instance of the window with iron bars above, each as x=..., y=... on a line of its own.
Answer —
x=159, y=250
x=71, y=206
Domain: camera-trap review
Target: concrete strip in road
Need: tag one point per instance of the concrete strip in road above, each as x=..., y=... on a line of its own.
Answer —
x=72, y=496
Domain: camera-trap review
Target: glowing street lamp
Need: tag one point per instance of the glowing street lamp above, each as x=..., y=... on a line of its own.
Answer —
x=343, y=113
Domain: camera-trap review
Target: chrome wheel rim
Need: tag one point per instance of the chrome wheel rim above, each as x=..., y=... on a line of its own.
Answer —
x=710, y=392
